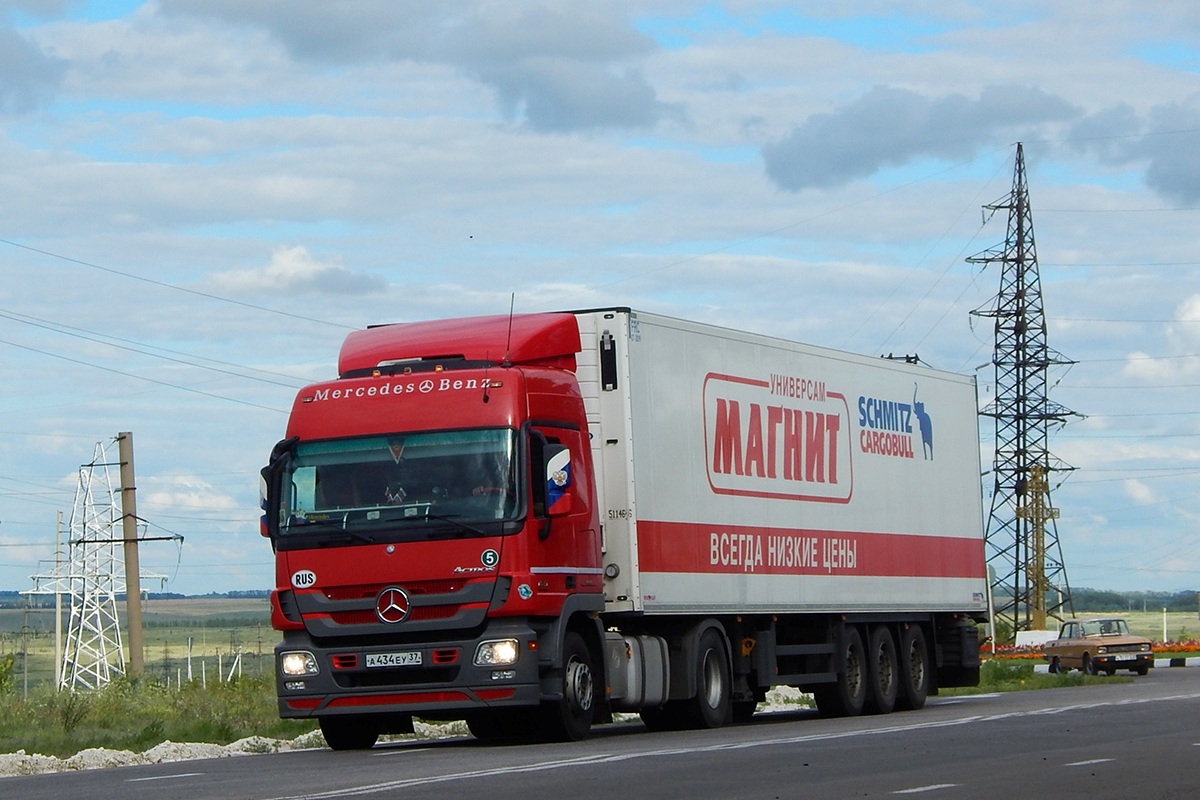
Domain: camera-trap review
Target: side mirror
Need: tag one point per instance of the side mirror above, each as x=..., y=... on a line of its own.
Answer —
x=264, y=525
x=268, y=485
x=558, y=480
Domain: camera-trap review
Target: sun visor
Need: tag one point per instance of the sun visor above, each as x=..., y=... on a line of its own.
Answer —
x=544, y=339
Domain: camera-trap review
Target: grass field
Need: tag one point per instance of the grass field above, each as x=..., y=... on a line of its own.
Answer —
x=216, y=629
x=1180, y=625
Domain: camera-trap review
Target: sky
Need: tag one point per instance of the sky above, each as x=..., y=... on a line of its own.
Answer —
x=200, y=198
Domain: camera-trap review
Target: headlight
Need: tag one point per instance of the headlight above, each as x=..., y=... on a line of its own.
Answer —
x=1145, y=647
x=299, y=662
x=497, y=653
x=1101, y=650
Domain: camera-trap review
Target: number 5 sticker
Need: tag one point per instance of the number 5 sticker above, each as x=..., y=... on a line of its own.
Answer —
x=489, y=558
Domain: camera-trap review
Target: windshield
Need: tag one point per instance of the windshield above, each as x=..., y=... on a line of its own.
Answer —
x=466, y=477
x=1106, y=627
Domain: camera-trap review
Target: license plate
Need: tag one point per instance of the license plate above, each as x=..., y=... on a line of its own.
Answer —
x=408, y=659
x=1126, y=657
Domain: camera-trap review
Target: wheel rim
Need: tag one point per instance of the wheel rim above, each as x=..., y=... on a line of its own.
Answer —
x=916, y=665
x=854, y=672
x=579, y=686
x=713, y=688
x=887, y=670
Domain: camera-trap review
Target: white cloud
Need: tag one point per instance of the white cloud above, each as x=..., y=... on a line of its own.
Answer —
x=1139, y=492
x=172, y=493
x=294, y=271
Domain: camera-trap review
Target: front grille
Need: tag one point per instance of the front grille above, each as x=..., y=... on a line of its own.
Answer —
x=384, y=678
x=418, y=613
x=342, y=611
x=361, y=591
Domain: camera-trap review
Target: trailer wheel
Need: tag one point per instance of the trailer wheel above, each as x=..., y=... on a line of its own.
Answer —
x=711, y=708
x=883, y=671
x=914, y=669
x=569, y=718
x=348, y=733
x=846, y=697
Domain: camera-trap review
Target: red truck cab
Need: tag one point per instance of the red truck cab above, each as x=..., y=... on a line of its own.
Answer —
x=437, y=542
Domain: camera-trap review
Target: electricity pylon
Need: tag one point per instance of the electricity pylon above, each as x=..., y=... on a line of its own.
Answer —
x=1022, y=536
x=93, y=655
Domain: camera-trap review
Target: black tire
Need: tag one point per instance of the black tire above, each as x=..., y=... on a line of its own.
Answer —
x=1056, y=667
x=847, y=696
x=883, y=672
x=915, y=672
x=1143, y=670
x=743, y=710
x=711, y=707
x=569, y=719
x=1088, y=667
x=672, y=716
x=510, y=724
x=348, y=733
x=485, y=726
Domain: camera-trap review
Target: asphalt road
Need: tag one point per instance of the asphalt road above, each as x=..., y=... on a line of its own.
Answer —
x=1122, y=740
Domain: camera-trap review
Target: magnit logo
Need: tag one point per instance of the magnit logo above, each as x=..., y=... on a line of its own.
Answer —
x=767, y=438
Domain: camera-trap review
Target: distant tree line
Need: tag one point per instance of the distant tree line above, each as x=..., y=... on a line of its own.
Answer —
x=1110, y=601
x=13, y=599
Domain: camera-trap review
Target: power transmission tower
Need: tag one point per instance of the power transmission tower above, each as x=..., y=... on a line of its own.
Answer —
x=93, y=654
x=1022, y=544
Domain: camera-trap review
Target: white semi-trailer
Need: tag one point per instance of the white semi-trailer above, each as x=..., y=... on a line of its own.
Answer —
x=681, y=516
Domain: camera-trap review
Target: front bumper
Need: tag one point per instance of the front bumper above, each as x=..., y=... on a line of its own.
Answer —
x=444, y=680
x=1123, y=660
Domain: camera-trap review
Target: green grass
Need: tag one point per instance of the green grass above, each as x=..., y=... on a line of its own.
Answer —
x=139, y=714
x=1017, y=675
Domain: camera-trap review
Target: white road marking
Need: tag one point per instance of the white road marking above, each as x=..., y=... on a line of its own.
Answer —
x=166, y=777
x=921, y=789
x=1089, y=762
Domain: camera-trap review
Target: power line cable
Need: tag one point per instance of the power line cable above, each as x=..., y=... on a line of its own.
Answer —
x=99, y=338
x=168, y=384
x=165, y=285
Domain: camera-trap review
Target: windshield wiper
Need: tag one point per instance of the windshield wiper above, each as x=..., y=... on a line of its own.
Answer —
x=458, y=523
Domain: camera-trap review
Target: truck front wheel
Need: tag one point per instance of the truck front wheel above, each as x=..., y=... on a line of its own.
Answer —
x=569, y=718
x=348, y=733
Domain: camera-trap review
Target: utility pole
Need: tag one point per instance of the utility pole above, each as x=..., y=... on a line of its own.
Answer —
x=1021, y=547
x=58, y=645
x=133, y=584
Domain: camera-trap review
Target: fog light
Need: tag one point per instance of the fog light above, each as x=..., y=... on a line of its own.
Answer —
x=297, y=663
x=496, y=653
